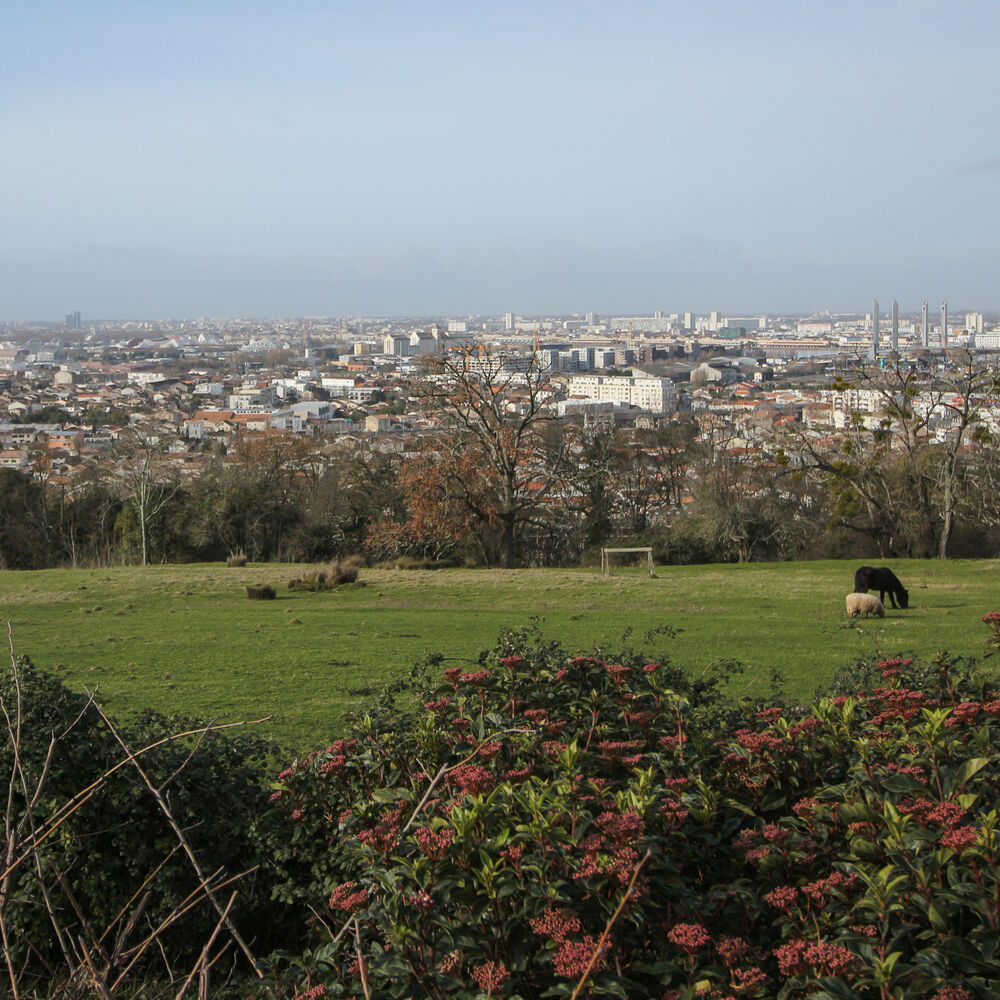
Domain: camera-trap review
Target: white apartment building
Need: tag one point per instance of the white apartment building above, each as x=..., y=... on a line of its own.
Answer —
x=654, y=394
x=208, y=389
x=337, y=386
x=252, y=399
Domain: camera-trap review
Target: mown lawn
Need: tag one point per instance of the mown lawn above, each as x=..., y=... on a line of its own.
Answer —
x=185, y=639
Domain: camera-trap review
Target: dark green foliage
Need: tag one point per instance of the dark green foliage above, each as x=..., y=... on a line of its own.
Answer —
x=111, y=852
x=25, y=537
x=48, y=414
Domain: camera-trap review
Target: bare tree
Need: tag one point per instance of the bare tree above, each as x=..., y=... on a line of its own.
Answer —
x=971, y=386
x=897, y=474
x=498, y=403
x=148, y=481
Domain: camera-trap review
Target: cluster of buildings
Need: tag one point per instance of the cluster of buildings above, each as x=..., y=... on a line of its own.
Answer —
x=68, y=392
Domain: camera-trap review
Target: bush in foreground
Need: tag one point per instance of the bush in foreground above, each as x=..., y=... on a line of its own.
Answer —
x=549, y=823
x=97, y=891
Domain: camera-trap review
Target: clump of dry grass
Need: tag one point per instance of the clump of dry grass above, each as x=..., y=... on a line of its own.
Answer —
x=325, y=579
x=264, y=593
x=237, y=558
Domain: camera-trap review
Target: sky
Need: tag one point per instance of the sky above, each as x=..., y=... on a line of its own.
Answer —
x=188, y=158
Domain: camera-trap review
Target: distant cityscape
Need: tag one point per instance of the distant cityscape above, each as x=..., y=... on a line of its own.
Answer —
x=785, y=336
x=68, y=390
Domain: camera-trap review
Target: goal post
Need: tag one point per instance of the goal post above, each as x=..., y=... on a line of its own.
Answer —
x=606, y=562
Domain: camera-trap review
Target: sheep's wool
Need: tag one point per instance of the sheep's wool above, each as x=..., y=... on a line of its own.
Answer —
x=864, y=604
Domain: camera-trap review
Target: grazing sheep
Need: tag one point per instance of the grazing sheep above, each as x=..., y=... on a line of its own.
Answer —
x=864, y=604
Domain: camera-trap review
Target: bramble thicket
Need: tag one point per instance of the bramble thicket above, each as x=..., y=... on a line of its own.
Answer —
x=537, y=824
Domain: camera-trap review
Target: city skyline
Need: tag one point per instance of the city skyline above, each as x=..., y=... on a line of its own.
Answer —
x=377, y=159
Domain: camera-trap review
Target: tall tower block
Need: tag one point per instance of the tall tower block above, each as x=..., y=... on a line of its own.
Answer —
x=924, y=329
x=895, y=326
x=944, y=324
x=874, y=328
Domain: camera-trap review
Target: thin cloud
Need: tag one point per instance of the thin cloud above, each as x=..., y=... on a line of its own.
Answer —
x=979, y=167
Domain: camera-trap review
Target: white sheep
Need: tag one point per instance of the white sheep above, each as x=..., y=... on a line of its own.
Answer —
x=864, y=604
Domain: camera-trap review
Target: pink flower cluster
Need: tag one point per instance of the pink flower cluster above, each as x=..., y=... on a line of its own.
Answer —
x=674, y=813
x=836, y=883
x=337, y=755
x=689, y=937
x=421, y=901
x=519, y=773
x=450, y=964
x=383, y=836
x=347, y=899
x=473, y=779
x=732, y=949
x=513, y=853
x=476, y=677
x=311, y=994
x=614, y=751
x=623, y=828
x=818, y=957
x=435, y=843
x=643, y=719
x=783, y=897
x=555, y=924
x=748, y=980
x=618, y=672
x=491, y=976
x=960, y=838
x=952, y=992
x=572, y=957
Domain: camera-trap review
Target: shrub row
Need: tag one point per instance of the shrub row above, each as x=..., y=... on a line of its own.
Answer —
x=544, y=821
x=539, y=825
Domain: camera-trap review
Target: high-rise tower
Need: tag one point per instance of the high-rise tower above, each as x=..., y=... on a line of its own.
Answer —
x=874, y=328
x=895, y=326
x=944, y=324
x=924, y=329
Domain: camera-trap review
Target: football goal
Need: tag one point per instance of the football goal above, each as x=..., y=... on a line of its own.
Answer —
x=607, y=553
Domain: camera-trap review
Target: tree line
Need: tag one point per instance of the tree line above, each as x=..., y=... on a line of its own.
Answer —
x=503, y=482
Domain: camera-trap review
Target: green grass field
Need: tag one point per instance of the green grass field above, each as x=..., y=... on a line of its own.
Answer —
x=185, y=639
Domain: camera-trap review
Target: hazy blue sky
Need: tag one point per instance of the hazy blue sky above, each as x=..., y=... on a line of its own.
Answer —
x=203, y=158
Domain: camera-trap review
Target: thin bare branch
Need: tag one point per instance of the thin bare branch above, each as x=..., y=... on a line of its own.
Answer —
x=155, y=936
x=188, y=850
x=599, y=947
x=68, y=808
x=202, y=965
x=362, y=965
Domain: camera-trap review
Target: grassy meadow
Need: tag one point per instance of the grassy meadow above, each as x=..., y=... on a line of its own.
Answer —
x=185, y=639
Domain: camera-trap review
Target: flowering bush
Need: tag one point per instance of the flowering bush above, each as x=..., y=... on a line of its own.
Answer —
x=544, y=821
